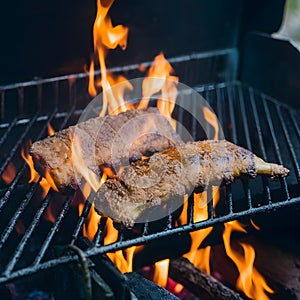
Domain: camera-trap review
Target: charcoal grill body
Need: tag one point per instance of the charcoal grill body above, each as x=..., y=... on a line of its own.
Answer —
x=221, y=48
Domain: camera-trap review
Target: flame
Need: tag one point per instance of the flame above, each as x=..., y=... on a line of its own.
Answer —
x=91, y=86
x=115, y=96
x=51, y=131
x=254, y=225
x=106, y=37
x=159, y=79
x=122, y=262
x=34, y=176
x=78, y=162
x=161, y=272
x=91, y=223
x=178, y=288
x=212, y=119
x=201, y=257
x=9, y=173
x=250, y=281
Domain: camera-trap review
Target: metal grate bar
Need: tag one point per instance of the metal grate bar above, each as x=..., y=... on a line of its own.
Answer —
x=210, y=204
x=11, y=188
x=9, y=228
x=289, y=143
x=169, y=221
x=7, y=132
x=248, y=141
x=100, y=231
x=17, y=145
x=190, y=210
x=146, y=228
x=275, y=143
x=220, y=100
x=2, y=104
x=265, y=181
x=244, y=118
x=10, y=266
x=52, y=231
x=231, y=114
x=247, y=192
x=82, y=217
x=229, y=198
x=292, y=115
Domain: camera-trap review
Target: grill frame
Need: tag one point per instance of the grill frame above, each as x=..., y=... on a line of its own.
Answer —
x=233, y=91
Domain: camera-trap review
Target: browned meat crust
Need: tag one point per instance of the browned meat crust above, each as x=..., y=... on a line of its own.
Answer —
x=109, y=140
x=177, y=171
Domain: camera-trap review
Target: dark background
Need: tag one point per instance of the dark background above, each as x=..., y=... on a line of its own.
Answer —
x=48, y=38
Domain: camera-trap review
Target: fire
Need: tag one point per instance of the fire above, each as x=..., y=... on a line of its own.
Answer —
x=178, y=288
x=106, y=37
x=78, y=162
x=47, y=181
x=91, y=223
x=159, y=79
x=250, y=281
x=254, y=225
x=51, y=131
x=34, y=176
x=122, y=262
x=115, y=96
x=201, y=257
x=212, y=119
x=161, y=272
x=91, y=87
x=9, y=173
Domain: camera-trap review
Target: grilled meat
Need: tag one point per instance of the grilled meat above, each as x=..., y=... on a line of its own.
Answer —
x=175, y=172
x=110, y=140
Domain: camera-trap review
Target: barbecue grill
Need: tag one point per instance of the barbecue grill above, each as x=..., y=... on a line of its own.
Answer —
x=234, y=87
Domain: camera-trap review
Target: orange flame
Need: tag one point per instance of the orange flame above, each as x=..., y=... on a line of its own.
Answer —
x=9, y=173
x=159, y=79
x=91, y=86
x=34, y=176
x=123, y=263
x=212, y=119
x=91, y=223
x=51, y=131
x=78, y=162
x=201, y=257
x=254, y=225
x=106, y=37
x=178, y=288
x=115, y=96
x=161, y=272
x=250, y=281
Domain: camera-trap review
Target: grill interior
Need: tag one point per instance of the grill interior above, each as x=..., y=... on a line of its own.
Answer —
x=248, y=117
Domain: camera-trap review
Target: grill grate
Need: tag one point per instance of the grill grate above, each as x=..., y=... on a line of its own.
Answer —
x=249, y=118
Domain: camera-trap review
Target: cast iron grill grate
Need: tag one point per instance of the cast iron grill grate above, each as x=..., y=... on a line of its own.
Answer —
x=28, y=242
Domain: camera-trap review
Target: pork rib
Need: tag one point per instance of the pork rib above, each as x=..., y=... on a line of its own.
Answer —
x=108, y=140
x=177, y=171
